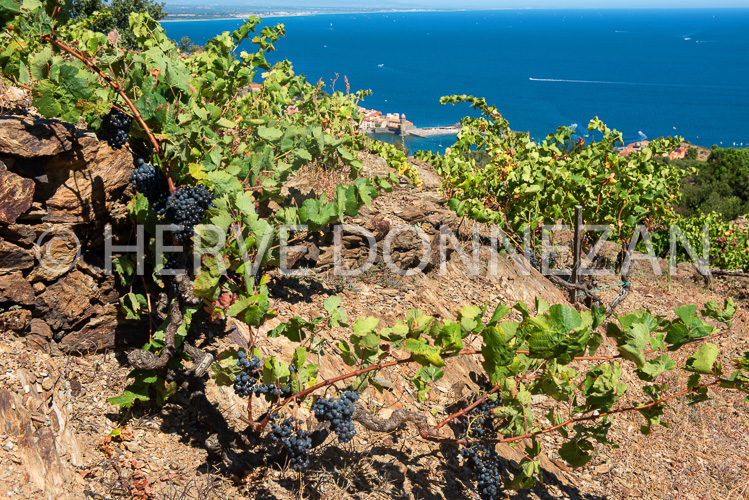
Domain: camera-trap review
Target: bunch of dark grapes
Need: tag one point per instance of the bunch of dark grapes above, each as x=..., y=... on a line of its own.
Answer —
x=151, y=182
x=485, y=462
x=186, y=208
x=479, y=420
x=115, y=128
x=338, y=412
x=537, y=260
x=247, y=380
x=478, y=425
x=297, y=442
x=282, y=390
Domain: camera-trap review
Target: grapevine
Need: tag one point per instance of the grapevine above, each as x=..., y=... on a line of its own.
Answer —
x=220, y=159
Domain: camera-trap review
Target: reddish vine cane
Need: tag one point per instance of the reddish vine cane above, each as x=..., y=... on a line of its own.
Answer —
x=432, y=435
x=117, y=88
x=443, y=440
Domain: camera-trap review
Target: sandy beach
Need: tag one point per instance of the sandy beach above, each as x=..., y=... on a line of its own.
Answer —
x=301, y=14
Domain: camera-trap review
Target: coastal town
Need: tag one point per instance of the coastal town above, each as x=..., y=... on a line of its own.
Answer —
x=677, y=154
x=377, y=122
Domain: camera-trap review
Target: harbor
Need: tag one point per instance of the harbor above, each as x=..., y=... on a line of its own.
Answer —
x=376, y=122
x=434, y=131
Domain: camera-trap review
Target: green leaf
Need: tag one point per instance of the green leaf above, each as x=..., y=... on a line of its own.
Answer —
x=703, y=359
x=132, y=304
x=39, y=63
x=311, y=213
x=223, y=220
x=500, y=312
x=225, y=369
x=365, y=191
x=689, y=327
x=224, y=183
x=632, y=342
x=656, y=367
x=576, y=452
x=206, y=282
x=347, y=355
x=541, y=306
x=423, y=377
x=207, y=236
x=417, y=321
x=225, y=123
x=563, y=317
x=269, y=134
x=497, y=350
x=423, y=353
x=8, y=10
x=449, y=337
x=396, y=335
x=724, y=316
x=274, y=370
x=364, y=326
x=137, y=390
x=300, y=356
x=245, y=204
x=45, y=100
x=470, y=318
x=601, y=386
x=293, y=329
x=125, y=268
x=335, y=312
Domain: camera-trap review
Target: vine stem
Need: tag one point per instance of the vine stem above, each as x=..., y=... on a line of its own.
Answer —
x=467, y=408
x=257, y=427
x=117, y=88
x=302, y=394
x=443, y=440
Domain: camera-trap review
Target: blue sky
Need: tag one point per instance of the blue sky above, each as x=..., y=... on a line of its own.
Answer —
x=468, y=4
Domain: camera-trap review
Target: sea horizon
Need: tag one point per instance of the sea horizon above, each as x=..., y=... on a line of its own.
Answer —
x=644, y=72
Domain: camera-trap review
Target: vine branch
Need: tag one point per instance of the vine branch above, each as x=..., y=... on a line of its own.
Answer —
x=443, y=440
x=117, y=88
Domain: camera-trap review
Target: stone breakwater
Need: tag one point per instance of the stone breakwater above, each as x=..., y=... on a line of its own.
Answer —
x=434, y=131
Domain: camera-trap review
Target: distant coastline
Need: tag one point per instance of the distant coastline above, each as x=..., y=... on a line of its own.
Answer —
x=176, y=18
x=411, y=60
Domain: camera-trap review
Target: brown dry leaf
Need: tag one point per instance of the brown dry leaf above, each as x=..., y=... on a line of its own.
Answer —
x=252, y=476
x=141, y=489
x=126, y=433
x=87, y=473
x=105, y=445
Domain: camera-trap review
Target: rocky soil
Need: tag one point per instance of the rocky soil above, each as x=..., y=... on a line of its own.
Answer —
x=63, y=352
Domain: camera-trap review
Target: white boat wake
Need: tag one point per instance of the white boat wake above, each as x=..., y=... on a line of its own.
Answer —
x=640, y=84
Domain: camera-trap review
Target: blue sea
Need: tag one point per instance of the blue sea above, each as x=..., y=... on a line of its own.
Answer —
x=646, y=73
